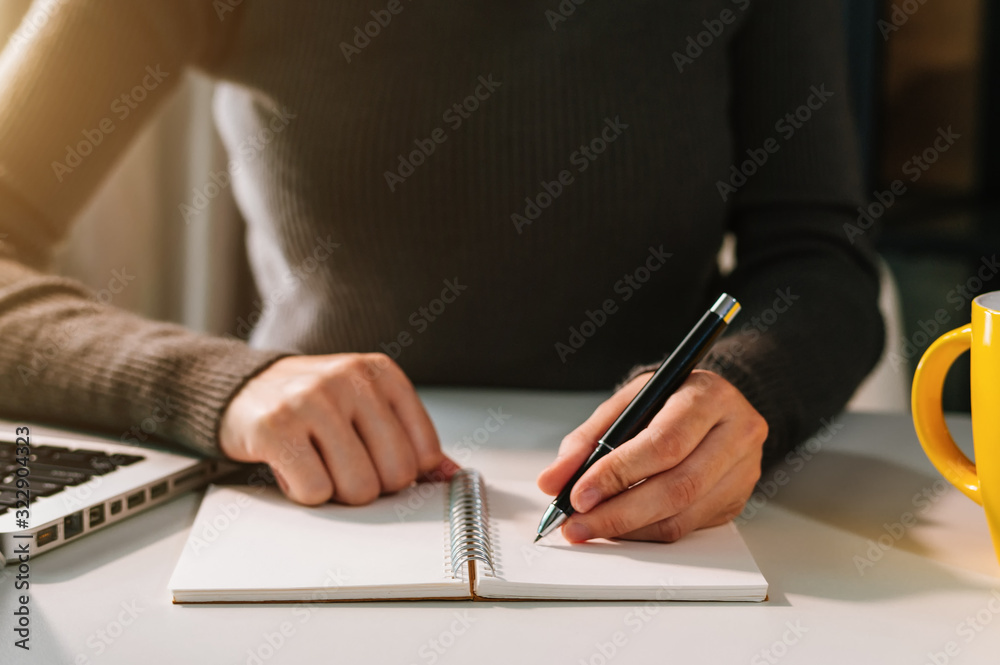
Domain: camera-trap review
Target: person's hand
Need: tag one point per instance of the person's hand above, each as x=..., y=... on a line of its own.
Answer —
x=346, y=427
x=698, y=461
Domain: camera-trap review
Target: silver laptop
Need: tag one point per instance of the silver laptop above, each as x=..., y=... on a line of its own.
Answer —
x=70, y=484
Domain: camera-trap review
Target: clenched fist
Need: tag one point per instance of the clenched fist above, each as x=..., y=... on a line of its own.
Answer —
x=346, y=427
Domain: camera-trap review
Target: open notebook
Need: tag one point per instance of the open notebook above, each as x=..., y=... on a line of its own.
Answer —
x=460, y=540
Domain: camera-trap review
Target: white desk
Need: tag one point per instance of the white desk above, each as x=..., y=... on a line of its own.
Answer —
x=104, y=598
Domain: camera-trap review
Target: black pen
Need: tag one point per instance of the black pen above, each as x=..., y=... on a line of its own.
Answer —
x=668, y=377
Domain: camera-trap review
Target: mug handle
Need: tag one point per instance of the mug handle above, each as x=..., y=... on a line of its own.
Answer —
x=928, y=414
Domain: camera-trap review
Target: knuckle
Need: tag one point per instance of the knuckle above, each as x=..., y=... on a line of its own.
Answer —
x=615, y=476
x=573, y=442
x=378, y=363
x=684, y=488
x=669, y=530
x=428, y=460
x=759, y=428
x=312, y=492
x=734, y=510
x=277, y=418
x=353, y=363
x=362, y=494
x=615, y=524
x=704, y=381
x=400, y=477
x=667, y=444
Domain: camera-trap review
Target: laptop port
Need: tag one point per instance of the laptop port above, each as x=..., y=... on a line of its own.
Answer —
x=158, y=490
x=47, y=535
x=136, y=499
x=73, y=525
x=116, y=506
x=189, y=476
x=96, y=515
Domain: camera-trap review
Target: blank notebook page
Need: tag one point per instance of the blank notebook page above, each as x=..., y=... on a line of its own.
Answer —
x=251, y=543
x=709, y=564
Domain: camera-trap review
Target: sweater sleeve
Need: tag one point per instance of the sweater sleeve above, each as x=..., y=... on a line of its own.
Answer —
x=811, y=328
x=77, y=83
x=806, y=274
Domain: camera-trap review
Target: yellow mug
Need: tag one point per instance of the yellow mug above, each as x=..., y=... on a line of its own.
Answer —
x=979, y=481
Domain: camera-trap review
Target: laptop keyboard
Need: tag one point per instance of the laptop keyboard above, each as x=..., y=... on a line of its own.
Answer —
x=54, y=468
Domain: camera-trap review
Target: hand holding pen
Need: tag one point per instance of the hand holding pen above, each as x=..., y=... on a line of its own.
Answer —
x=685, y=456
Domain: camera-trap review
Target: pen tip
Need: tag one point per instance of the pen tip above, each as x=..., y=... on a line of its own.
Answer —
x=538, y=537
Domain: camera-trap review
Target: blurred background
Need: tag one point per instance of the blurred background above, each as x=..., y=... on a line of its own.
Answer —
x=929, y=66
x=918, y=68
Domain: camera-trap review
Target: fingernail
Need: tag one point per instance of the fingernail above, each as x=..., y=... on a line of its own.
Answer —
x=576, y=532
x=588, y=499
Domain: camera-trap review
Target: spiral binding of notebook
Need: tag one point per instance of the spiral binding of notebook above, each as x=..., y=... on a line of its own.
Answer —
x=469, y=522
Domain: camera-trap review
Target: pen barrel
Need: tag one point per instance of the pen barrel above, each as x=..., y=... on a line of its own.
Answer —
x=670, y=375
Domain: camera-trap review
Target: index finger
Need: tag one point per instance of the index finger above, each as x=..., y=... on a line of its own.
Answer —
x=416, y=422
x=670, y=437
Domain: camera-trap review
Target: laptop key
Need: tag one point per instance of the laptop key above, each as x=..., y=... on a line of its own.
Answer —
x=124, y=460
x=38, y=489
x=95, y=463
x=55, y=474
x=10, y=498
x=45, y=452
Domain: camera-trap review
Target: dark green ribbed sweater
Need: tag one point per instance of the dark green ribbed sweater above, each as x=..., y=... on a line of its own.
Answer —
x=527, y=193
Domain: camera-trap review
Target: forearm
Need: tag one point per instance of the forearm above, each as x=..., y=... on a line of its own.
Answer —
x=810, y=329
x=68, y=359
